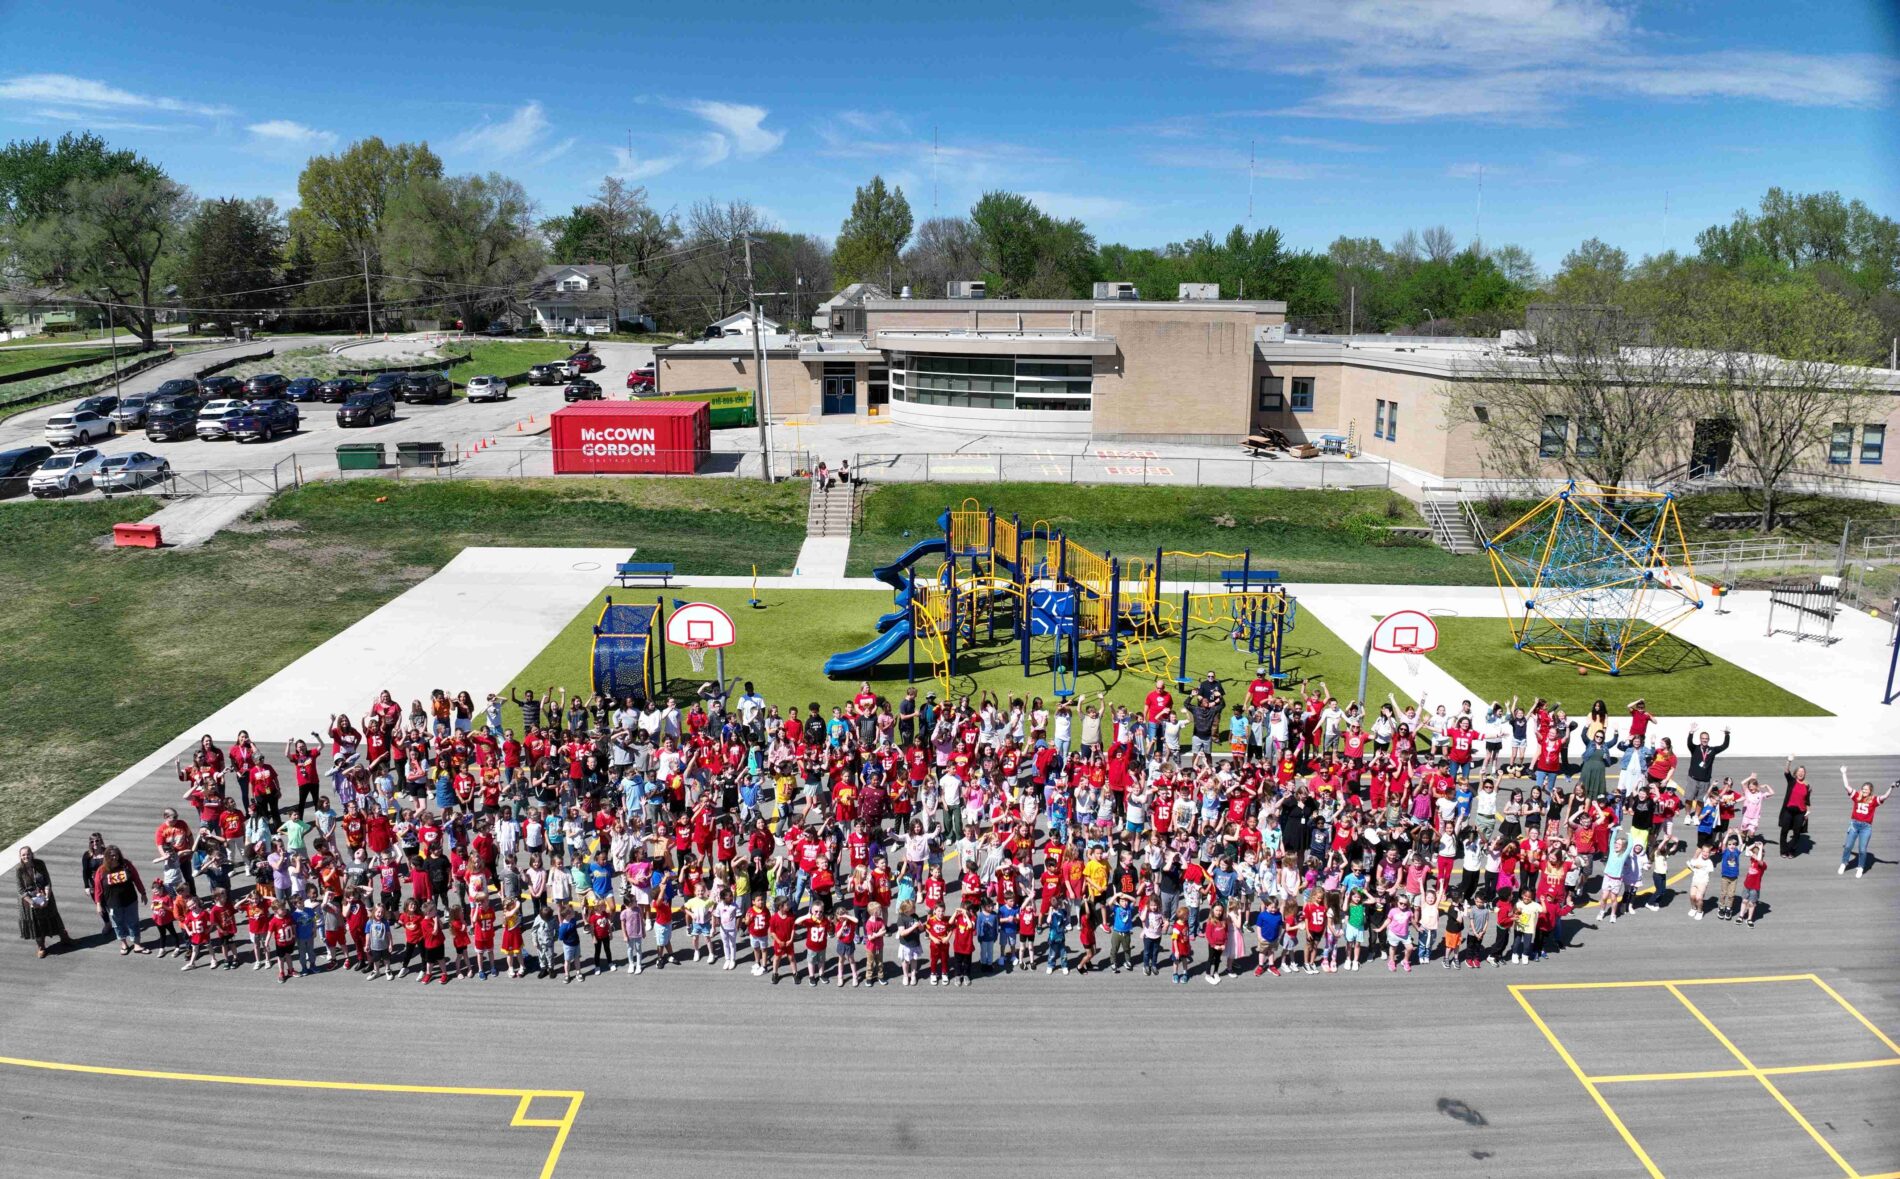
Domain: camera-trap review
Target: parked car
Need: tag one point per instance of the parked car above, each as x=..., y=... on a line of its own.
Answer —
x=217, y=417
x=427, y=387
x=367, y=407
x=303, y=389
x=338, y=390
x=130, y=414
x=18, y=463
x=641, y=380
x=582, y=389
x=487, y=389
x=64, y=474
x=178, y=387
x=584, y=362
x=77, y=428
x=102, y=404
x=390, y=383
x=266, y=386
x=169, y=417
x=498, y=328
x=552, y=373
x=221, y=389
x=129, y=472
x=263, y=421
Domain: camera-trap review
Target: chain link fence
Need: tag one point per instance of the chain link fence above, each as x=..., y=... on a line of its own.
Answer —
x=1120, y=465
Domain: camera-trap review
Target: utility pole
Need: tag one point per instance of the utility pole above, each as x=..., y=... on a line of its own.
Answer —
x=758, y=366
x=369, y=319
x=1352, y=308
x=112, y=338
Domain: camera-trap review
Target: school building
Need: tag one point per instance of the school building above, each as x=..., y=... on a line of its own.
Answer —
x=1198, y=370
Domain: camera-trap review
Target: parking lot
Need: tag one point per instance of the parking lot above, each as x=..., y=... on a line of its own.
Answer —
x=458, y=425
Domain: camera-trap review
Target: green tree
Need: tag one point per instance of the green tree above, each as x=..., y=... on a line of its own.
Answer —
x=108, y=243
x=874, y=234
x=339, y=218
x=232, y=248
x=467, y=242
x=572, y=237
x=1027, y=253
x=1592, y=273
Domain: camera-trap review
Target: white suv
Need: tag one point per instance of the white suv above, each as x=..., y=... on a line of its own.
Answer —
x=487, y=389
x=77, y=428
x=65, y=473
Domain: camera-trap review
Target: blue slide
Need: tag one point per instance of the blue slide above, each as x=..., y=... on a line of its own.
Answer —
x=893, y=628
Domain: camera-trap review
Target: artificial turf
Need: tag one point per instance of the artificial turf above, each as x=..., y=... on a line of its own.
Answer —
x=1675, y=678
x=782, y=649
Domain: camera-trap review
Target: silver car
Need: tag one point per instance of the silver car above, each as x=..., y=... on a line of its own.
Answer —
x=487, y=389
x=65, y=473
x=129, y=472
x=216, y=419
x=130, y=412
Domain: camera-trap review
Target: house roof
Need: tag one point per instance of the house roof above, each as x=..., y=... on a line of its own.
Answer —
x=542, y=289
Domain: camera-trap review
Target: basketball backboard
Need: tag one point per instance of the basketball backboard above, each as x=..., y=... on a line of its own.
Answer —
x=1405, y=632
x=699, y=624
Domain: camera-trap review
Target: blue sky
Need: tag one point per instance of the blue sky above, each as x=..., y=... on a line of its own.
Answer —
x=1363, y=116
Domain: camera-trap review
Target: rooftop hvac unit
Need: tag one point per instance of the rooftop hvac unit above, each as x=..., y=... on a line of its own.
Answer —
x=1273, y=333
x=1198, y=291
x=904, y=294
x=974, y=289
x=1116, y=290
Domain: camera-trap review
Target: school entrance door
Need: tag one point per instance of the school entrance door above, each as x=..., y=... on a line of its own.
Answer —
x=1711, y=447
x=840, y=395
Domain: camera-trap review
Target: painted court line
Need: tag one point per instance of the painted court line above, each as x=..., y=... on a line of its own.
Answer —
x=1756, y=1072
x=1748, y=1068
x=561, y=1125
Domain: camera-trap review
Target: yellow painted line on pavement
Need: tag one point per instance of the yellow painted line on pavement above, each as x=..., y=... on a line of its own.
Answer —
x=1661, y=982
x=561, y=1125
x=1855, y=1012
x=1583, y=1078
x=1753, y=1070
x=1783, y=1070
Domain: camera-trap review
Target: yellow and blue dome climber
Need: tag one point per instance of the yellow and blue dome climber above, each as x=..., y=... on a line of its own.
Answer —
x=623, y=651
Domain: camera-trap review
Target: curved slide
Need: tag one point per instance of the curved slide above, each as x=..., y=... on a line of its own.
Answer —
x=893, y=628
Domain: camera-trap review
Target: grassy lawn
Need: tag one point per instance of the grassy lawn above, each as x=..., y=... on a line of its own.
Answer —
x=1478, y=653
x=504, y=359
x=1333, y=536
x=782, y=649
x=17, y=360
x=112, y=652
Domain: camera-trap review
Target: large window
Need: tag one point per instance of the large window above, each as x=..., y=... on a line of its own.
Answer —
x=1392, y=421
x=1272, y=397
x=1553, y=437
x=1378, y=420
x=993, y=382
x=1840, y=447
x=1873, y=443
x=1589, y=438
x=1302, y=398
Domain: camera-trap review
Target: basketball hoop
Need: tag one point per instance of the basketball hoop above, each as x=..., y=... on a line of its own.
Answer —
x=699, y=627
x=696, y=654
x=1408, y=634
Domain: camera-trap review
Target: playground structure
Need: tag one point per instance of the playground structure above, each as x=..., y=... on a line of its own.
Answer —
x=1805, y=610
x=623, y=653
x=1033, y=583
x=1595, y=576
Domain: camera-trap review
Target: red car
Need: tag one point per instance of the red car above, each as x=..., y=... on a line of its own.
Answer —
x=640, y=380
x=585, y=362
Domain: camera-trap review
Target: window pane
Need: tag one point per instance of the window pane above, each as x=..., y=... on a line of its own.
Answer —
x=1840, y=447
x=1589, y=438
x=1392, y=422
x=1873, y=443
x=1378, y=421
x=1302, y=392
x=1550, y=442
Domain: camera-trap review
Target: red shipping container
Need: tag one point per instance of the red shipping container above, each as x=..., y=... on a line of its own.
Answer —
x=631, y=437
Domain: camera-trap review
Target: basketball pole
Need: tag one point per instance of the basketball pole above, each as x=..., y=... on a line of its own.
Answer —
x=1365, y=664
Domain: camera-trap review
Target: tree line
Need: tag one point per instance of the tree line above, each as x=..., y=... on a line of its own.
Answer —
x=380, y=230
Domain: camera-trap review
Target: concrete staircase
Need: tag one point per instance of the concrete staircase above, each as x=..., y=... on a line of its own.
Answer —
x=1451, y=529
x=829, y=512
x=827, y=544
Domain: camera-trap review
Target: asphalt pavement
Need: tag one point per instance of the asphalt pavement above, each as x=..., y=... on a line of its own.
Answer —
x=697, y=1071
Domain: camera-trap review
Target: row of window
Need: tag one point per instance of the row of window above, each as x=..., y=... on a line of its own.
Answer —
x=1840, y=446
x=1385, y=421
x=1554, y=438
x=993, y=382
x=1275, y=397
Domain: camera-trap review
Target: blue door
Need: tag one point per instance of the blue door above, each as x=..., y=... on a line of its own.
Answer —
x=840, y=395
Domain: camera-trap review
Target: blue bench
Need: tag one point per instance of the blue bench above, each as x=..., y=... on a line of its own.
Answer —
x=1246, y=579
x=645, y=571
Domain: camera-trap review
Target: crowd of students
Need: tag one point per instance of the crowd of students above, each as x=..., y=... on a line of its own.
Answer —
x=916, y=841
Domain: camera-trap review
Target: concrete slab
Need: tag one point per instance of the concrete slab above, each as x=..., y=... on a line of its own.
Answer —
x=188, y=523
x=822, y=557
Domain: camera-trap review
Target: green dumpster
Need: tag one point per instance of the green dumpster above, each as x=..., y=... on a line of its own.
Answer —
x=359, y=456
x=419, y=454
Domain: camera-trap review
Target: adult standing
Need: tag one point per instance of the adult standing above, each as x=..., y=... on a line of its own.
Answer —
x=95, y=855
x=117, y=889
x=39, y=911
x=1794, y=807
x=1862, y=803
x=1702, y=762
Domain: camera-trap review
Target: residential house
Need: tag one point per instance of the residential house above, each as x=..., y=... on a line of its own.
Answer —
x=581, y=298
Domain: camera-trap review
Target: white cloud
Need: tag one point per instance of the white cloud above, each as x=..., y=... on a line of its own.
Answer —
x=1512, y=61
x=521, y=138
x=629, y=166
x=1471, y=171
x=739, y=122
x=1221, y=159
x=1338, y=145
x=1090, y=209
x=873, y=122
x=283, y=131
x=67, y=90
x=98, y=122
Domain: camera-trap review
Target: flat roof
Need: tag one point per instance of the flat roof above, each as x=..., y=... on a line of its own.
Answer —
x=1267, y=305
x=997, y=343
